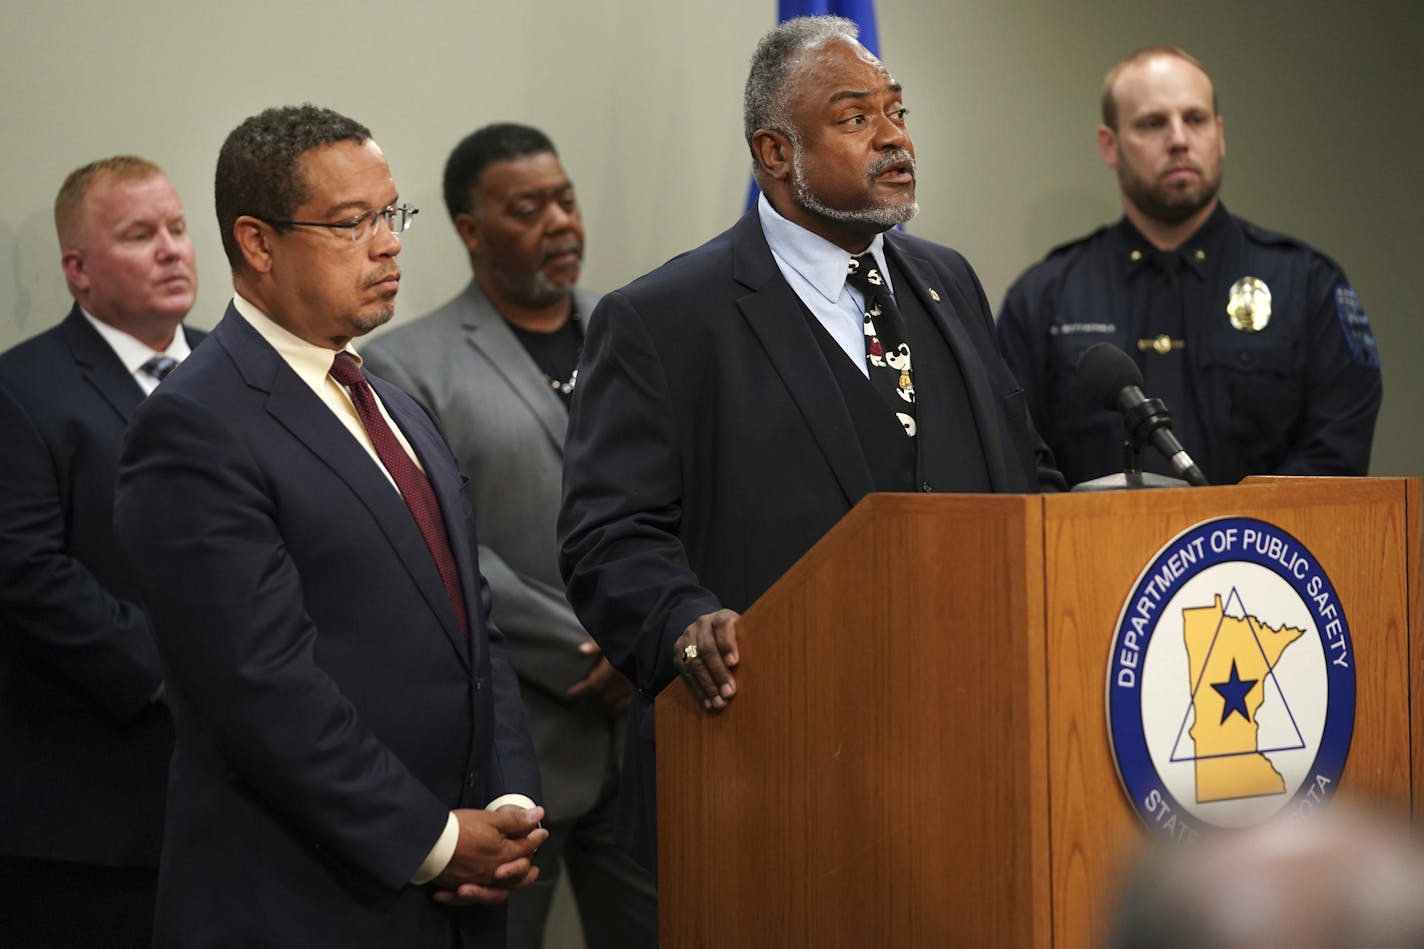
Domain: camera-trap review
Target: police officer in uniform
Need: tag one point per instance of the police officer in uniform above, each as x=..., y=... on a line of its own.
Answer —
x=1256, y=342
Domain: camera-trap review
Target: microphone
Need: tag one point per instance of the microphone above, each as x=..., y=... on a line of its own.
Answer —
x=1114, y=382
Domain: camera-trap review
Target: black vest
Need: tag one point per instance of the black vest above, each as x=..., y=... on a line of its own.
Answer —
x=946, y=455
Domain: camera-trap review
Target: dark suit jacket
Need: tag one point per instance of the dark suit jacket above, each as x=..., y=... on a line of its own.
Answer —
x=506, y=428
x=710, y=446
x=329, y=711
x=83, y=752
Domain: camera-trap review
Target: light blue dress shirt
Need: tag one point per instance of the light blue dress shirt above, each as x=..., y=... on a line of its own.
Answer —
x=816, y=269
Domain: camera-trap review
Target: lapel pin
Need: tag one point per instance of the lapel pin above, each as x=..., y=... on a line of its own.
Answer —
x=933, y=296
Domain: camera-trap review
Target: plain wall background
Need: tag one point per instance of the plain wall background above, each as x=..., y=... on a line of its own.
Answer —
x=643, y=98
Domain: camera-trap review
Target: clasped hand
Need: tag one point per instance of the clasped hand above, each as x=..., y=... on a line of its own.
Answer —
x=493, y=856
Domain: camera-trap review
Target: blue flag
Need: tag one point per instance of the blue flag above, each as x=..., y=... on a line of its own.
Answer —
x=861, y=11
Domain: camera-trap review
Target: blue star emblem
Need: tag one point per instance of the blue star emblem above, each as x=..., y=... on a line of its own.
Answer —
x=1233, y=693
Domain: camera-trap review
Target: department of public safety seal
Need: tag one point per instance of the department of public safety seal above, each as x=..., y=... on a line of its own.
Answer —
x=1231, y=681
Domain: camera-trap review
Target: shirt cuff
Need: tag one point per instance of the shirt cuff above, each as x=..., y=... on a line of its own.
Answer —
x=503, y=799
x=439, y=857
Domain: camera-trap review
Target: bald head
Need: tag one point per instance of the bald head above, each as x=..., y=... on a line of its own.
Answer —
x=1109, y=99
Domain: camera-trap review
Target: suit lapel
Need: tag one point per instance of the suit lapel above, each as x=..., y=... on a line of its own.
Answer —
x=954, y=299
x=100, y=365
x=491, y=336
x=293, y=404
x=777, y=317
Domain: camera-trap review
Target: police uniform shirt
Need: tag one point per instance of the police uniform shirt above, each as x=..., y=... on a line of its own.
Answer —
x=1255, y=341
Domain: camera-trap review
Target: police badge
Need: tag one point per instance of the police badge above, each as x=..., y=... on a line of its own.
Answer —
x=1248, y=304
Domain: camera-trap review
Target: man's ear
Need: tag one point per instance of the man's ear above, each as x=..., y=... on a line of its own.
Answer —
x=469, y=230
x=254, y=240
x=74, y=274
x=1107, y=146
x=773, y=152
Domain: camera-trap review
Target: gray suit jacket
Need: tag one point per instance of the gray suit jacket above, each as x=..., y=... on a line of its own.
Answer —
x=506, y=427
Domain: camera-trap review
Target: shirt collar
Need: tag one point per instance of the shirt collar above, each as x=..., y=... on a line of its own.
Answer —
x=132, y=352
x=820, y=263
x=1136, y=252
x=308, y=360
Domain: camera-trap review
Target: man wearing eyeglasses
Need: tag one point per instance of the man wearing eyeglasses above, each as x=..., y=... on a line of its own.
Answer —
x=352, y=764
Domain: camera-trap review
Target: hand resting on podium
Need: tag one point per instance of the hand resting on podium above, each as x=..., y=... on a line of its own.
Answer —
x=705, y=655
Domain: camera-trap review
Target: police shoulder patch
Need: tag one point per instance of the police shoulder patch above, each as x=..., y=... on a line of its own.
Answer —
x=1355, y=324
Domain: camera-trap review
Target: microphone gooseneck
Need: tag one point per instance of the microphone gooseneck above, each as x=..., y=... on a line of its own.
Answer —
x=1114, y=382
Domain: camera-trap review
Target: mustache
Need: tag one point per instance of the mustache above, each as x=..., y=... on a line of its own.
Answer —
x=897, y=157
x=376, y=278
x=564, y=247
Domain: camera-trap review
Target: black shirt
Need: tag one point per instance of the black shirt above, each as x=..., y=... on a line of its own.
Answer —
x=556, y=354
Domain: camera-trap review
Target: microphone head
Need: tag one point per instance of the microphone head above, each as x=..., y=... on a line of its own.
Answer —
x=1105, y=371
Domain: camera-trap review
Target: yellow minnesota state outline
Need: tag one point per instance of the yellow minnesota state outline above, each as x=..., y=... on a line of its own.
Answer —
x=1229, y=658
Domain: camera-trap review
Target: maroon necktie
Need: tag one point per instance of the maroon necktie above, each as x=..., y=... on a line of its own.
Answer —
x=409, y=479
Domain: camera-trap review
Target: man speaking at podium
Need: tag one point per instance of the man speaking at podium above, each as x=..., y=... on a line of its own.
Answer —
x=735, y=403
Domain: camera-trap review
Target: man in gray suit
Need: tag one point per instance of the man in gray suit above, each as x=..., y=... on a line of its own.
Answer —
x=498, y=365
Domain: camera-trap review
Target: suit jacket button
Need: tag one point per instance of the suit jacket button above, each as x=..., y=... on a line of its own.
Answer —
x=478, y=682
x=471, y=778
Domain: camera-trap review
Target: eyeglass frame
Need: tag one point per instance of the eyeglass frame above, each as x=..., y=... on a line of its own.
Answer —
x=388, y=213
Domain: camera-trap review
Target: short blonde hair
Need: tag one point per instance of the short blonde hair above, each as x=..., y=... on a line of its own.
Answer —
x=70, y=200
x=1109, y=103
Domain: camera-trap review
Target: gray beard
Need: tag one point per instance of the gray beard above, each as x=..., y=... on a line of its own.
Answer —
x=538, y=290
x=884, y=216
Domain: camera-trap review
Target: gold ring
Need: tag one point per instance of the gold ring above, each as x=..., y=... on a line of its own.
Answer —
x=689, y=652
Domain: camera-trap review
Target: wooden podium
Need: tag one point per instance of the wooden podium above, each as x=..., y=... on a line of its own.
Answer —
x=932, y=768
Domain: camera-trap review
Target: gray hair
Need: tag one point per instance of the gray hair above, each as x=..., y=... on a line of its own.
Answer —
x=764, y=104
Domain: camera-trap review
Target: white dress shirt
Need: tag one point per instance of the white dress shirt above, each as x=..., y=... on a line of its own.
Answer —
x=133, y=353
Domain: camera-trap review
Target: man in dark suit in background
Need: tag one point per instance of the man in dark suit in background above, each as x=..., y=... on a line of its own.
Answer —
x=739, y=400
x=352, y=764
x=84, y=735
x=498, y=365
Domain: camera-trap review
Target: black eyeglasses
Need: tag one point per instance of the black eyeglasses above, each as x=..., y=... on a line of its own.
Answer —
x=398, y=217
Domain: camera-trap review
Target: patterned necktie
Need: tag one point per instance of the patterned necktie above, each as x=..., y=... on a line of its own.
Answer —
x=887, y=348
x=159, y=366
x=410, y=480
